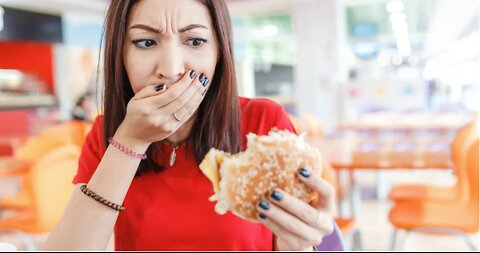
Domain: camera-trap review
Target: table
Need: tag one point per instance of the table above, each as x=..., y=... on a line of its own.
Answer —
x=344, y=154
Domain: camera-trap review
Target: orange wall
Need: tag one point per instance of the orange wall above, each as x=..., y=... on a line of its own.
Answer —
x=30, y=57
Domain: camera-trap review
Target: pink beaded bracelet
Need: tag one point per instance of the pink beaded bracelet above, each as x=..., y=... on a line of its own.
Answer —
x=126, y=150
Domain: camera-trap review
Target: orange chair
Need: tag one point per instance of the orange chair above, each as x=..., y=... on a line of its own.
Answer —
x=422, y=191
x=459, y=216
x=49, y=188
x=73, y=132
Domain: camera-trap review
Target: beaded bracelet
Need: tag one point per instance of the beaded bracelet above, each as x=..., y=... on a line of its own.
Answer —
x=126, y=150
x=101, y=200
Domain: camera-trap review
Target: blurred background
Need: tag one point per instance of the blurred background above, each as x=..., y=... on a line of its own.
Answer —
x=388, y=90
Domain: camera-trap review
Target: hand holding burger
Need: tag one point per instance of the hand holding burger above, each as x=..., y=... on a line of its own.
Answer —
x=276, y=181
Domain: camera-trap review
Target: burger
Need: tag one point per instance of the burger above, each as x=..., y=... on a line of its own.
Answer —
x=269, y=162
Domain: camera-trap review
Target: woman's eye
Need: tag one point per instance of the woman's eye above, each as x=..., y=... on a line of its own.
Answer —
x=196, y=42
x=144, y=43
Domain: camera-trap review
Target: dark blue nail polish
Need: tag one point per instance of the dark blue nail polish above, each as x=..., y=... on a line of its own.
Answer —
x=159, y=87
x=205, y=83
x=192, y=74
x=276, y=195
x=264, y=205
x=262, y=216
x=304, y=173
x=202, y=78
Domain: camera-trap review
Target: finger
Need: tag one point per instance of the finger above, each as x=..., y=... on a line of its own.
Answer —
x=320, y=185
x=174, y=91
x=193, y=103
x=179, y=103
x=276, y=229
x=287, y=221
x=155, y=89
x=151, y=90
x=295, y=206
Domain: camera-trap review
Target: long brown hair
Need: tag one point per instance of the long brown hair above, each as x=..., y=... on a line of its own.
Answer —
x=218, y=120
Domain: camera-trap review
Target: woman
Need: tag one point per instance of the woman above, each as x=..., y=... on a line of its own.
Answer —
x=170, y=95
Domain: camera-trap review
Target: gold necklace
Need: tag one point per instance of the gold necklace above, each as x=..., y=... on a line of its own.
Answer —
x=175, y=146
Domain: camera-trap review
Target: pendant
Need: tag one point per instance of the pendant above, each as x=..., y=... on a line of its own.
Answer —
x=173, y=156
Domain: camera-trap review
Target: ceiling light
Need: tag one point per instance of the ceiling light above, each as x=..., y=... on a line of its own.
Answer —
x=404, y=48
x=395, y=6
x=398, y=33
x=398, y=17
x=270, y=30
x=397, y=60
x=413, y=60
x=401, y=26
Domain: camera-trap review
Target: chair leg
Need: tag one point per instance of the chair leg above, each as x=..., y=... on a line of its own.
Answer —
x=449, y=231
x=347, y=242
x=402, y=240
x=470, y=242
x=357, y=241
x=26, y=239
x=393, y=244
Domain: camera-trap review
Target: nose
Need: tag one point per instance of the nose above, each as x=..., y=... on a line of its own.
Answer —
x=170, y=64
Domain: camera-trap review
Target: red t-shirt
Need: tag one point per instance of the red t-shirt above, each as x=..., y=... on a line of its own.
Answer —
x=170, y=210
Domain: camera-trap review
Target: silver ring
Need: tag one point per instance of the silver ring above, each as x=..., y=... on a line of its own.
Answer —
x=176, y=117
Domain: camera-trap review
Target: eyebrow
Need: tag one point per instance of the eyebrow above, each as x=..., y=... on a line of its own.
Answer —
x=181, y=30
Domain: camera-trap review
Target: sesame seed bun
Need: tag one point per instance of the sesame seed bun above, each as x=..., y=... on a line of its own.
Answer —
x=272, y=161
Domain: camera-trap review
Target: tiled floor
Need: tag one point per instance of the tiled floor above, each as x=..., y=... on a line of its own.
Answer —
x=372, y=219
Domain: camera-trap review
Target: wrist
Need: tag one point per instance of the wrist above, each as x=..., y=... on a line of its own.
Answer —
x=276, y=248
x=135, y=145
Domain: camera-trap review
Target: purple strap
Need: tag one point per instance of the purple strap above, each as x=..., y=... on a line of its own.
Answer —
x=333, y=241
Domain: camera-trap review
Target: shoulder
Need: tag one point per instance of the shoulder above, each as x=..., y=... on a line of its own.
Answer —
x=259, y=105
x=259, y=115
x=92, y=152
x=95, y=138
x=97, y=126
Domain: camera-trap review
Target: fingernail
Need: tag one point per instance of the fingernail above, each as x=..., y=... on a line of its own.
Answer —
x=159, y=87
x=201, y=78
x=264, y=205
x=304, y=172
x=262, y=216
x=205, y=83
x=192, y=74
x=276, y=195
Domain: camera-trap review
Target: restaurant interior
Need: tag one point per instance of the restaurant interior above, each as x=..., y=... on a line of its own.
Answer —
x=387, y=90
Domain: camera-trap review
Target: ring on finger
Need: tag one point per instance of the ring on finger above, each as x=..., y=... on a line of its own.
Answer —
x=176, y=117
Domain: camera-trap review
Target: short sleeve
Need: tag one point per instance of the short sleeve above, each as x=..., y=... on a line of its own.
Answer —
x=283, y=121
x=92, y=152
x=260, y=115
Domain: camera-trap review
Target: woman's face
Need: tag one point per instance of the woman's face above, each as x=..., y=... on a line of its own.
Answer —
x=167, y=38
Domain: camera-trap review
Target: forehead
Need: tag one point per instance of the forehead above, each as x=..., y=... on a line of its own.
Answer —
x=170, y=12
